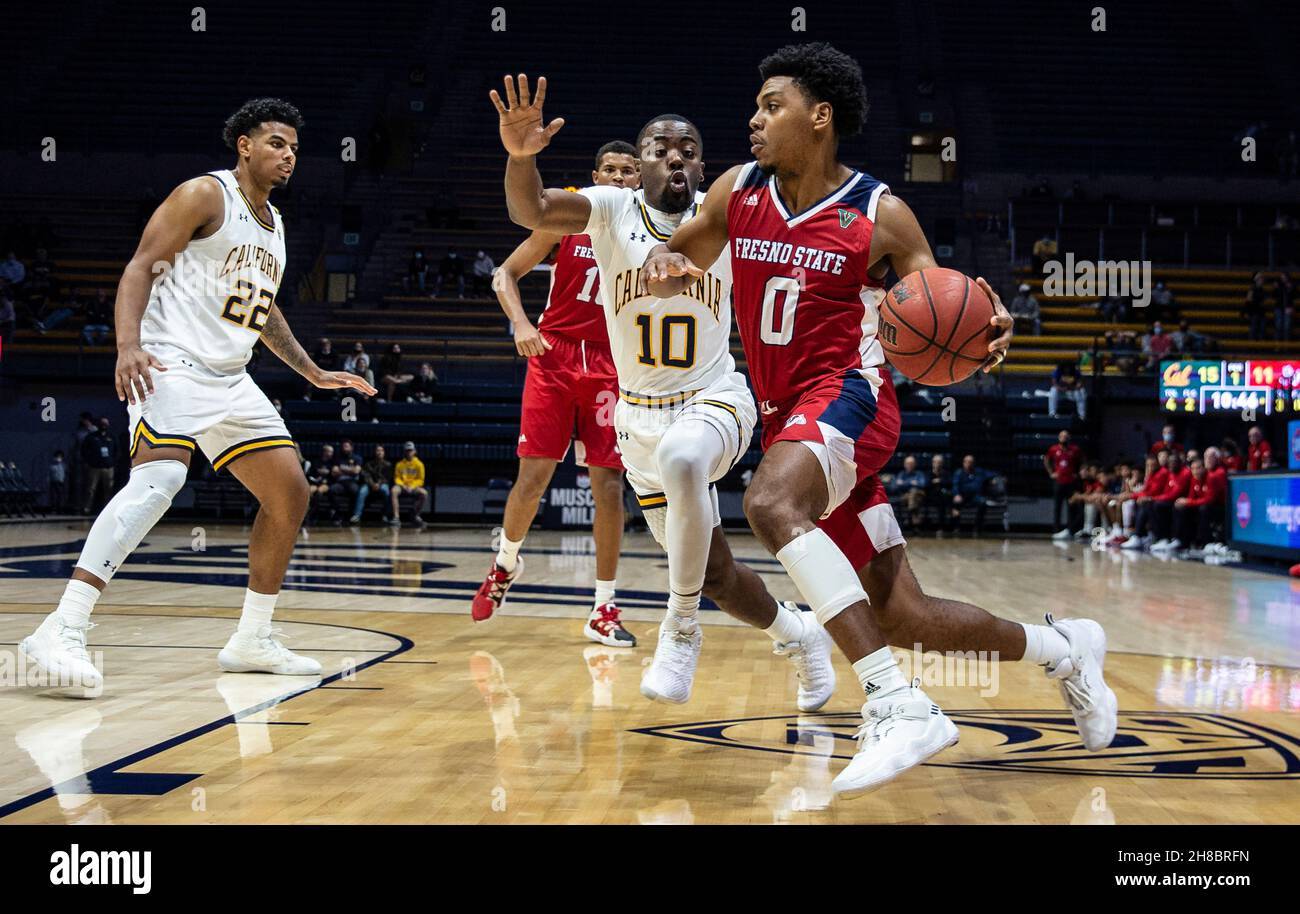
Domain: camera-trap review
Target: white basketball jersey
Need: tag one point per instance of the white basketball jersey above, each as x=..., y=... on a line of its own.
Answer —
x=214, y=303
x=660, y=345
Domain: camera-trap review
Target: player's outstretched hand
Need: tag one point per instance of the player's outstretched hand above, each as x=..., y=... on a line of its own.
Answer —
x=333, y=379
x=523, y=132
x=132, y=378
x=662, y=274
x=529, y=341
x=1001, y=321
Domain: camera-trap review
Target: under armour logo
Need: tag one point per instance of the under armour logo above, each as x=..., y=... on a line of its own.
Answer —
x=751, y=200
x=796, y=419
x=243, y=217
x=632, y=236
x=110, y=566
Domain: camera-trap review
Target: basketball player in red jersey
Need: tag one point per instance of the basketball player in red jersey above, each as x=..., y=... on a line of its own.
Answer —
x=571, y=378
x=812, y=242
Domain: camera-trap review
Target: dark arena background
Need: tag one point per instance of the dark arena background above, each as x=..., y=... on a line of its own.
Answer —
x=1124, y=176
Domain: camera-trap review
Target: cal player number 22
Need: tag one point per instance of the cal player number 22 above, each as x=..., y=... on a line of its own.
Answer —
x=235, y=312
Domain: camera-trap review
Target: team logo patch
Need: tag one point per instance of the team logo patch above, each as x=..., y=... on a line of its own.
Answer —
x=888, y=332
x=846, y=218
x=1148, y=744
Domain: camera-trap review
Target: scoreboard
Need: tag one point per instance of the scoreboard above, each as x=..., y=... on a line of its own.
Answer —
x=1201, y=386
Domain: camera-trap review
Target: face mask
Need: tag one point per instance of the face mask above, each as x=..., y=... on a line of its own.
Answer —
x=1169, y=439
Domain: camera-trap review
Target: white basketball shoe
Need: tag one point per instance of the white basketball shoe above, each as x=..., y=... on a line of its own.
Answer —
x=262, y=653
x=899, y=731
x=60, y=651
x=671, y=673
x=1091, y=701
x=811, y=656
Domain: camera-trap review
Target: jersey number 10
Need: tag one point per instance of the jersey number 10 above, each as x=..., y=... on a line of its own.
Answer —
x=667, y=324
x=237, y=311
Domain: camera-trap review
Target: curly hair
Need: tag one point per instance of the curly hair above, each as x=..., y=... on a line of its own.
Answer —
x=824, y=74
x=617, y=147
x=257, y=111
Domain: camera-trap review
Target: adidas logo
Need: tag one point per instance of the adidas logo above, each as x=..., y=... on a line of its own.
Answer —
x=796, y=419
x=523, y=439
x=872, y=688
x=751, y=200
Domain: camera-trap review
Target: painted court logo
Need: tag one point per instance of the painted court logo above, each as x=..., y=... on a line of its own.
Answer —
x=1148, y=744
x=78, y=867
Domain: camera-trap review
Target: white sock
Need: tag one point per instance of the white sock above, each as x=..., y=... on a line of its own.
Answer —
x=879, y=673
x=258, y=608
x=1044, y=645
x=77, y=603
x=787, y=627
x=825, y=578
x=508, y=554
x=604, y=592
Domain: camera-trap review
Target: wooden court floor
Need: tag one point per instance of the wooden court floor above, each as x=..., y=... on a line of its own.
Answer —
x=423, y=717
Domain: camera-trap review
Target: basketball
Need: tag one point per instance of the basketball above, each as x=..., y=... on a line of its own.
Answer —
x=934, y=326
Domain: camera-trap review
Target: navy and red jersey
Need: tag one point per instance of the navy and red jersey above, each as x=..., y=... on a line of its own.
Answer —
x=573, y=306
x=805, y=304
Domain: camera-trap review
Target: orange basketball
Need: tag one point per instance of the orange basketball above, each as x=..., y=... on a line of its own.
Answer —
x=934, y=326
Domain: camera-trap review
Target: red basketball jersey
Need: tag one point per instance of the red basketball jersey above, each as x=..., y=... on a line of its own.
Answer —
x=805, y=305
x=573, y=306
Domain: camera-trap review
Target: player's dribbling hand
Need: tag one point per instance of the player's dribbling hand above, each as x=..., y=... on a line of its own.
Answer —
x=1002, y=321
x=131, y=377
x=529, y=341
x=335, y=379
x=659, y=271
x=522, y=131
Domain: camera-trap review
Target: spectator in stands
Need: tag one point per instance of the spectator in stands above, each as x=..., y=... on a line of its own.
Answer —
x=1232, y=459
x=1024, y=308
x=1156, y=346
x=909, y=486
x=1062, y=462
x=1164, y=307
x=417, y=271
x=376, y=478
x=408, y=479
x=58, y=481
x=367, y=406
x=1185, y=341
x=99, y=319
x=319, y=479
x=481, y=270
x=1168, y=442
x=390, y=371
x=328, y=360
x=423, y=387
x=1114, y=309
x=350, y=362
x=1044, y=251
x=450, y=269
x=98, y=461
x=1196, y=513
x=13, y=273
x=1253, y=310
x=1067, y=383
x=1122, y=350
x=968, y=489
x=938, y=497
x=345, y=481
x=1283, y=307
x=1259, y=453
x=1162, y=503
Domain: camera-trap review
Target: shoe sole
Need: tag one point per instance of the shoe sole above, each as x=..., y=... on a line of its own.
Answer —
x=852, y=792
x=233, y=666
x=655, y=696
x=607, y=640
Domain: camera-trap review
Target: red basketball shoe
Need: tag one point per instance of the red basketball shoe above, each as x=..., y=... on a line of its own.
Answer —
x=493, y=592
x=605, y=627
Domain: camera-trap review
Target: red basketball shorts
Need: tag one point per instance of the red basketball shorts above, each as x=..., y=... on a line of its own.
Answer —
x=569, y=395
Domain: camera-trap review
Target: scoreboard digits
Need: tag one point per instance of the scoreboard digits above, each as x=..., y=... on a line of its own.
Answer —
x=1201, y=386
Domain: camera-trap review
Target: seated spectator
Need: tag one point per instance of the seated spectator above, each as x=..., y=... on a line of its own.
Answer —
x=390, y=371
x=1067, y=383
x=366, y=404
x=938, y=496
x=1254, y=310
x=1163, y=305
x=350, y=361
x=1178, y=484
x=408, y=479
x=1259, y=453
x=417, y=271
x=13, y=273
x=345, y=481
x=320, y=476
x=481, y=271
x=1062, y=464
x=910, y=485
x=376, y=478
x=324, y=356
x=968, y=489
x=1024, y=308
x=450, y=269
x=1122, y=350
x=99, y=319
x=1156, y=345
x=1183, y=339
x=1283, y=307
x=1168, y=441
x=423, y=387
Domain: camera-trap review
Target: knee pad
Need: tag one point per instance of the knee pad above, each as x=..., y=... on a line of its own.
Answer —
x=149, y=493
x=687, y=453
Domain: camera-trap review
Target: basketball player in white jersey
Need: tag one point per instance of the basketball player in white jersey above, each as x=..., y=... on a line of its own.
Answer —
x=183, y=339
x=684, y=415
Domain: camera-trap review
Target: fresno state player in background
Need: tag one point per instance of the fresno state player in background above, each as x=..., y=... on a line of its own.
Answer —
x=812, y=242
x=571, y=379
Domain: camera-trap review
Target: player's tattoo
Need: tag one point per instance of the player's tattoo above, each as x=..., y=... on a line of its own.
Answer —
x=280, y=340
